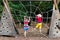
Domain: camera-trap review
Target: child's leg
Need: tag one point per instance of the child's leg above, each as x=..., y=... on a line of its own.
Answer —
x=25, y=34
x=40, y=30
x=36, y=27
x=25, y=30
x=40, y=27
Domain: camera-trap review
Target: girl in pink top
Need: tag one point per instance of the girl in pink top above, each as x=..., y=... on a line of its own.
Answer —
x=26, y=26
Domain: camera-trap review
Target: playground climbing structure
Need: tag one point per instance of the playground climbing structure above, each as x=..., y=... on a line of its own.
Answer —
x=55, y=22
x=7, y=23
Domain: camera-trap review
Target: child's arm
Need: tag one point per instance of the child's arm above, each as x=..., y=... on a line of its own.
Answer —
x=29, y=19
x=36, y=17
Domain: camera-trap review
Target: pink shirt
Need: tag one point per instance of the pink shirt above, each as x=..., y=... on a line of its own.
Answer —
x=26, y=22
x=39, y=19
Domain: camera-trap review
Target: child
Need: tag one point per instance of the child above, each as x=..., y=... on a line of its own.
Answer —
x=39, y=22
x=26, y=26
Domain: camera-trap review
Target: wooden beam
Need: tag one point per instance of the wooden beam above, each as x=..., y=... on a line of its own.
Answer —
x=30, y=0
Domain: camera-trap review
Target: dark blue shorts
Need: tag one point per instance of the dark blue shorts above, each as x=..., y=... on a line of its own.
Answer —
x=26, y=28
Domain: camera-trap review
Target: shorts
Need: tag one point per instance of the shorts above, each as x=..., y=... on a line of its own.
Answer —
x=39, y=25
x=26, y=28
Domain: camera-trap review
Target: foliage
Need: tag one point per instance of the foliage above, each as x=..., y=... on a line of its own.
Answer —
x=23, y=8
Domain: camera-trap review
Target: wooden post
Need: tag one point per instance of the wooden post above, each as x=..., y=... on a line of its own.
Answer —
x=7, y=24
x=54, y=30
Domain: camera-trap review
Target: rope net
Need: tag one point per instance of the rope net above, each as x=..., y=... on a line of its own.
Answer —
x=29, y=8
